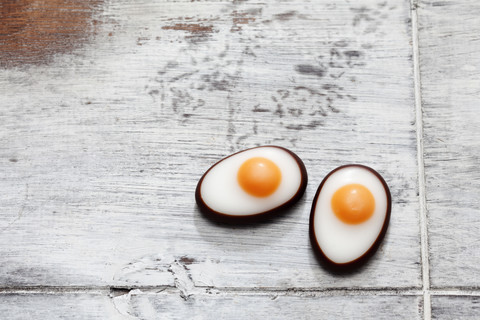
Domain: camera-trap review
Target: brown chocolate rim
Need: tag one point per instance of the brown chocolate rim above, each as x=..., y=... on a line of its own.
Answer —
x=348, y=266
x=226, y=218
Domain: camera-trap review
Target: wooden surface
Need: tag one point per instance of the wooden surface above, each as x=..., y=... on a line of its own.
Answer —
x=111, y=111
x=444, y=307
x=451, y=66
x=138, y=305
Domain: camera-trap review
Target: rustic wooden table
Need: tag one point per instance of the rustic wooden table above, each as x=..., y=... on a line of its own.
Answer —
x=111, y=111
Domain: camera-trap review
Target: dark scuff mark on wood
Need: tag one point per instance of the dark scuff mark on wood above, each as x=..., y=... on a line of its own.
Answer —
x=185, y=260
x=331, y=87
x=279, y=112
x=240, y=139
x=218, y=81
x=185, y=75
x=142, y=40
x=283, y=93
x=243, y=20
x=318, y=101
x=353, y=53
x=33, y=31
x=295, y=112
x=248, y=51
x=311, y=125
x=286, y=15
x=240, y=18
x=193, y=28
x=310, y=70
x=220, y=85
x=309, y=90
x=442, y=3
x=197, y=32
x=118, y=291
x=170, y=65
x=260, y=110
x=368, y=20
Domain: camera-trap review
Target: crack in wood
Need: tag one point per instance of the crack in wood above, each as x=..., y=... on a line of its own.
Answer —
x=20, y=212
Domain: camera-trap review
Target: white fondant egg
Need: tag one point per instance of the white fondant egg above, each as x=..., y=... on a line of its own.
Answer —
x=252, y=182
x=350, y=215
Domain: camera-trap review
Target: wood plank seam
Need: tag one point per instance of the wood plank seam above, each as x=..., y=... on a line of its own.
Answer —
x=299, y=291
x=427, y=308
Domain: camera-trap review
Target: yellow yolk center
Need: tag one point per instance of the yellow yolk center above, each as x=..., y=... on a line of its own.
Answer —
x=259, y=177
x=353, y=203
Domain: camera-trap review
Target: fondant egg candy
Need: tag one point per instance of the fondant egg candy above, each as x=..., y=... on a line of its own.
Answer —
x=252, y=183
x=349, y=216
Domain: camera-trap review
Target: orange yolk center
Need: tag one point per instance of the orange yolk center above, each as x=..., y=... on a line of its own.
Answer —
x=259, y=177
x=353, y=203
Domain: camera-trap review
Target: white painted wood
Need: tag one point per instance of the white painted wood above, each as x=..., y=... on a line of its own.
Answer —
x=450, y=66
x=138, y=305
x=455, y=307
x=272, y=306
x=58, y=306
x=102, y=147
x=104, y=134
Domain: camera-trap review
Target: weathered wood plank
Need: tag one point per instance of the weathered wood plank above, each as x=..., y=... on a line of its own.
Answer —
x=268, y=306
x=455, y=307
x=137, y=305
x=102, y=146
x=450, y=88
x=57, y=306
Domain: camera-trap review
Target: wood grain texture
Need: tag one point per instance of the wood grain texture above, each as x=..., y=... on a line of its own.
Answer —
x=57, y=306
x=455, y=307
x=102, y=148
x=268, y=306
x=138, y=305
x=450, y=69
x=109, y=150
x=103, y=142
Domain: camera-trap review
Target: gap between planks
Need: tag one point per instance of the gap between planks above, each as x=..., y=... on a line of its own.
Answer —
x=427, y=306
x=260, y=291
